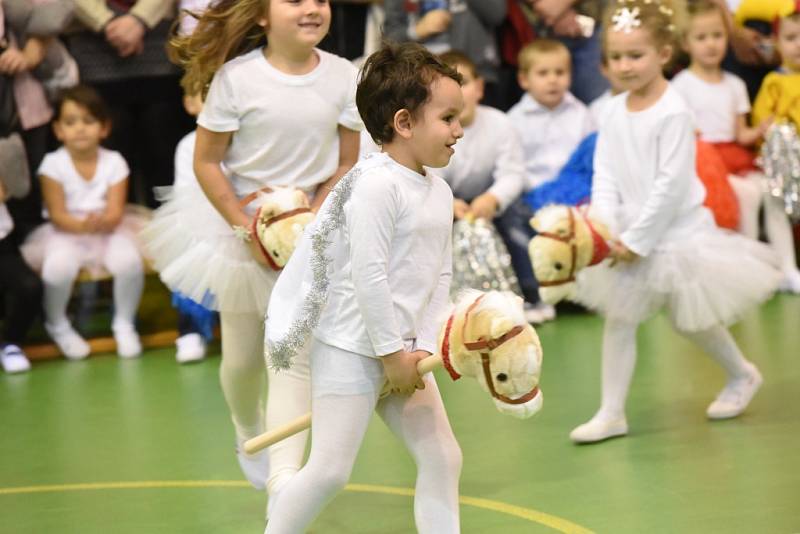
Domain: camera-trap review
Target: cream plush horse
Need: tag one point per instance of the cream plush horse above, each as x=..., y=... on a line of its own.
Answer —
x=282, y=215
x=568, y=240
x=485, y=337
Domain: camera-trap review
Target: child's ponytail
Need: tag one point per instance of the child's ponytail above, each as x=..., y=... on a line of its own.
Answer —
x=229, y=28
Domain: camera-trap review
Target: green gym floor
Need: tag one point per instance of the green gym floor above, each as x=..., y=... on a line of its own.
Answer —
x=145, y=446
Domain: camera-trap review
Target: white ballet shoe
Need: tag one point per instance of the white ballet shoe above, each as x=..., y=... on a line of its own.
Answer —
x=599, y=429
x=254, y=466
x=13, y=360
x=69, y=342
x=191, y=348
x=791, y=282
x=735, y=396
x=128, y=344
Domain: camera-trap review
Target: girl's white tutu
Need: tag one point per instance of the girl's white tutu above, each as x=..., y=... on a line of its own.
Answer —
x=198, y=255
x=709, y=277
x=93, y=246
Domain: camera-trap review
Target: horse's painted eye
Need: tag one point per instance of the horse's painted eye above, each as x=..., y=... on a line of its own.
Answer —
x=275, y=253
x=557, y=266
x=502, y=377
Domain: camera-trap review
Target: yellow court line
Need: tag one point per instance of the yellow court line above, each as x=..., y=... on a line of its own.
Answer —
x=554, y=522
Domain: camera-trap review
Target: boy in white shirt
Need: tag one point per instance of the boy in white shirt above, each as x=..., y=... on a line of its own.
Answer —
x=487, y=175
x=377, y=260
x=551, y=123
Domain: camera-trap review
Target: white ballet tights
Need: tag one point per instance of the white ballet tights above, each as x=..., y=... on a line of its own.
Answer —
x=339, y=423
x=63, y=260
x=750, y=195
x=619, y=359
x=243, y=375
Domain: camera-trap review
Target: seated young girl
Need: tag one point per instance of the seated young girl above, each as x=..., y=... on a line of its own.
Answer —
x=85, y=187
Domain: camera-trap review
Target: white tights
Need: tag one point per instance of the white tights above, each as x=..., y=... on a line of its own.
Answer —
x=750, y=195
x=619, y=359
x=243, y=375
x=64, y=258
x=339, y=423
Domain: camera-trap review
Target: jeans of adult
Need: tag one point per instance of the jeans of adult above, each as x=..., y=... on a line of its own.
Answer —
x=22, y=294
x=588, y=82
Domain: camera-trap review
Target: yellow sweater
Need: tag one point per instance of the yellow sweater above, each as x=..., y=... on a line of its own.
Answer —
x=778, y=97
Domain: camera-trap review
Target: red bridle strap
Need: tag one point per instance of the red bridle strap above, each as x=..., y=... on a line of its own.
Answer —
x=568, y=239
x=269, y=222
x=448, y=365
x=485, y=347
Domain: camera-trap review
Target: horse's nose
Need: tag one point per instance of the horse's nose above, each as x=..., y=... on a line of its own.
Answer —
x=557, y=265
x=502, y=377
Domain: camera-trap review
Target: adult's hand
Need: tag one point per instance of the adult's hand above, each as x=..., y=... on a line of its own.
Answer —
x=126, y=34
x=433, y=22
x=13, y=61
x=551, y=10
x=746, y=43
x=567, y=25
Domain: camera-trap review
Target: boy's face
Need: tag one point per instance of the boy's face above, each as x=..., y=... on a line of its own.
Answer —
x=707, y=40
x=436, y=126
x=78, y=129
x=547, y=79
x=789, y=43
x=472, y=90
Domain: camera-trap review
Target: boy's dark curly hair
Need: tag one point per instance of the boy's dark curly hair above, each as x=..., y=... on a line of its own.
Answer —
x=398, y=76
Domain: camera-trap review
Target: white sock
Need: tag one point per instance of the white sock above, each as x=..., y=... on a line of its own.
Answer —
x=123, y=261
x=339, y=423
x=748, y=193
x=619, y=360
x=779, y=232
x=288, y=397
x=718, y=342
x=242, y=372
x=421, y=423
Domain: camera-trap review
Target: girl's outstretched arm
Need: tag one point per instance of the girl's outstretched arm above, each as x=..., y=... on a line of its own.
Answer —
x=349, y=141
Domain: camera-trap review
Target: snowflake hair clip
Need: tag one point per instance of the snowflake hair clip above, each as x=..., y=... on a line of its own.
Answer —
x=626, y=19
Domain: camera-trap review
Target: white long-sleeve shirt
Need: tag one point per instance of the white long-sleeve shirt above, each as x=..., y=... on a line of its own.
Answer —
x=645, y=186
x=488, y=158
x=549, y=136
x=391, y=274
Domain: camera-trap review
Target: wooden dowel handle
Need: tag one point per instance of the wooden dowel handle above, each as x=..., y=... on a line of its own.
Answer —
x=252, y=446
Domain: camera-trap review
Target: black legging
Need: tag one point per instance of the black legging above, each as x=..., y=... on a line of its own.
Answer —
x=22, y=292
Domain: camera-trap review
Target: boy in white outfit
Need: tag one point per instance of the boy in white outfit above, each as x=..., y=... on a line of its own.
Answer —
x=551, y=123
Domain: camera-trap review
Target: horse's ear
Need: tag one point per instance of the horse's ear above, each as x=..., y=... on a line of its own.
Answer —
x=300, y=198
x=535, y=223
x=500, y=325
x=268, y=209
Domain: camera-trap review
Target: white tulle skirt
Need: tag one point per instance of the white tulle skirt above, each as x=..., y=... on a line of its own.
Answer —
x=92, y=246
x=709, y=277
x=197, y=254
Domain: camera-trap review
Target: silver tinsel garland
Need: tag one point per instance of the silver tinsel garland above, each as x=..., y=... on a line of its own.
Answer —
x=480, y=259
x=780, y=160
x=282, y=352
